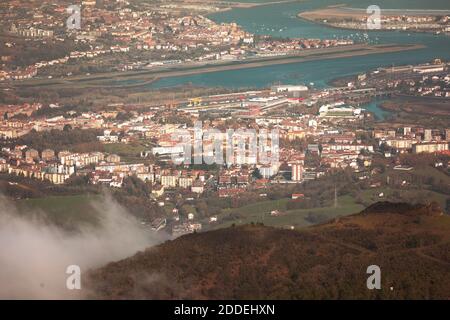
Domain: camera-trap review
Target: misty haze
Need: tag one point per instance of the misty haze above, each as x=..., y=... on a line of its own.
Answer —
x=224, y=151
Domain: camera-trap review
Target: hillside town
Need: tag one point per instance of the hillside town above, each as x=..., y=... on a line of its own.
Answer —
x=140, y=37
x=186, y=145
x=209, y=150
x=306, y=133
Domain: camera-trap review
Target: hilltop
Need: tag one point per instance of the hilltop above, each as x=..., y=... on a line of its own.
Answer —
x=410, y=243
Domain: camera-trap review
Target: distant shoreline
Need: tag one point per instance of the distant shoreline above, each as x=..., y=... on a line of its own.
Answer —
x=245, y=5
x=149, y=76
x=349, y=12
x=334, y=16
x=397, y=11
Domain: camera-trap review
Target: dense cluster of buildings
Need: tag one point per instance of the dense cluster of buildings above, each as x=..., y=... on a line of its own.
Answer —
x=308, y=145
x=238, y=130
x=117, y=27
x=416, y=140
x=329, y=139
x=424, y=80
x=29, y=163
x=31, y=32
x=425, y=22
x=272, y=47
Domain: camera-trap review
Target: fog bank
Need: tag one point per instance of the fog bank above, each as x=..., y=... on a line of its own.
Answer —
x=34, y=254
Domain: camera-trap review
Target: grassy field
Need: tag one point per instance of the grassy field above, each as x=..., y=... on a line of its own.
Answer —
x=168, y=207
x=372, y=195
x=127, y=152
x=260, y=212
x=62, y=210
x=71, y=210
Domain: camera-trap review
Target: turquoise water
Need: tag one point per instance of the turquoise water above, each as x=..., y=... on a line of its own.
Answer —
x=280, y=20
x=374, y=107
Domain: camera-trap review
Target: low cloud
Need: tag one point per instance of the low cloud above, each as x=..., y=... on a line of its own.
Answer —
x=34, y=254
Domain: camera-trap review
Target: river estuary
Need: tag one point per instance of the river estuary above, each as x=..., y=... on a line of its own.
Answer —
x=281, y=20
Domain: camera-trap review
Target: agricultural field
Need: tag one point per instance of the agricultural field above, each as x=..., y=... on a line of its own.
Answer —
x=65, y=211
x=127, y=152
x=260, y=212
